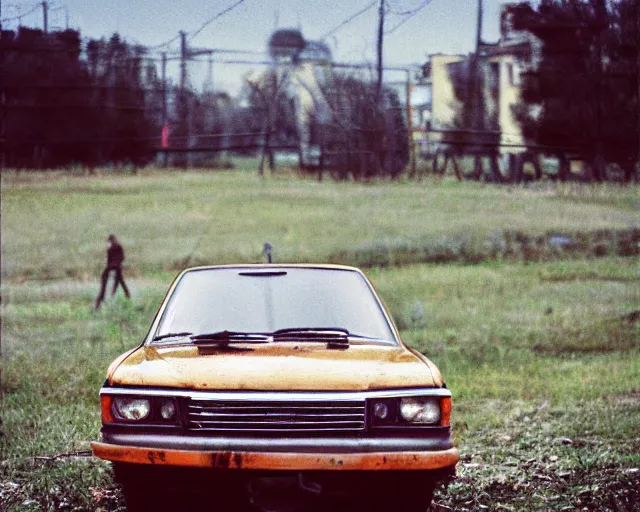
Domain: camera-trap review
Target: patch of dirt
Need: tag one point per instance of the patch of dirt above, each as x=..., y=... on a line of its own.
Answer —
x=541, y=485
x=631, y=399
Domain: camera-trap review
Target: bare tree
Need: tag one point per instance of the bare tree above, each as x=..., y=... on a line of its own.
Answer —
x=269, y=98
x=367, y=135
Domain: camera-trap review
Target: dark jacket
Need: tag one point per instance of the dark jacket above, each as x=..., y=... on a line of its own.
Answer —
x=115, y=256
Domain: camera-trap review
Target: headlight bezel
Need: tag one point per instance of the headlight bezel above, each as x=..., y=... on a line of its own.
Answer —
x=121, y=403
x=422, y=408
x=112, y=413
x=395, y=418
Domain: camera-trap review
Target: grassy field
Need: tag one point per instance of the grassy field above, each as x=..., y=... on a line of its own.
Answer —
x=542, y=361
x=165, y=220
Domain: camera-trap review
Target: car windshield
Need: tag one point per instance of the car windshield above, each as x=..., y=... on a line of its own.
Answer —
x=264, y=300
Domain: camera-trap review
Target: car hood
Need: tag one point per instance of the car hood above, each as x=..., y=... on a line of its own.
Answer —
x=275, y=367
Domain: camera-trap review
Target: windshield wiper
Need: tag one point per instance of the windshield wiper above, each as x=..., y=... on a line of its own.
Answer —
x=226, y=337
x=334, y=337
x=311, y=331
x=172, y=335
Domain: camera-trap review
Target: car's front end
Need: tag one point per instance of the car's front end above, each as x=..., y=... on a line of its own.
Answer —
x=375, y=430
x=335, y=410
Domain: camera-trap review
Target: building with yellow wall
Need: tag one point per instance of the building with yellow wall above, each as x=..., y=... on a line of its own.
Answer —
x=500, y=69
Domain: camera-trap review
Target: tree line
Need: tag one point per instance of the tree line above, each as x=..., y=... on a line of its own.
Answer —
x=585, y=93
x=68, y=101
x=102, y=102
x=60, y=109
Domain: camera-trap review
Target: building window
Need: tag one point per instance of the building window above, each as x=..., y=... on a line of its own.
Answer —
x=512, y=74
x=494, y=75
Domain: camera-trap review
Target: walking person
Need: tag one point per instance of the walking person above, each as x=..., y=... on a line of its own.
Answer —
x=115, y=257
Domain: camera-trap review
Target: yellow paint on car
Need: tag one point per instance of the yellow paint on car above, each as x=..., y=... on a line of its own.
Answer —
x=276, y=367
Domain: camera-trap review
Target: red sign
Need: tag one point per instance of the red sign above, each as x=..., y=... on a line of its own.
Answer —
x=165, y=136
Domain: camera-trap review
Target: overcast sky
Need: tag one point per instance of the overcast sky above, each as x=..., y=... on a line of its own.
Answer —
x=443, y=26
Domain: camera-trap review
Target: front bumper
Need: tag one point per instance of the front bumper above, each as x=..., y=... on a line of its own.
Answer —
x=278, y=461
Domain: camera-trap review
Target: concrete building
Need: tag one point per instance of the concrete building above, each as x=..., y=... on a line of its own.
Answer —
x=500, y=69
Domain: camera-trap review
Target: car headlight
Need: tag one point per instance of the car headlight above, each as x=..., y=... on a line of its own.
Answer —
x=168, y=409
x=134, y=409
x=420, y=410
x=381, y=411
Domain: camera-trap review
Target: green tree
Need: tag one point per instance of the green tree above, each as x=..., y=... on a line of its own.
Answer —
x=584, y=94
x=127, y=99
x=45, y=87
x=61, y=109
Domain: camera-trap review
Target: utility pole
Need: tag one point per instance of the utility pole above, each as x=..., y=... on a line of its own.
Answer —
x=3, y=110
x=412, y=149
x=165, y=127
x=637, y=168
x=598, y=161
x=45, y=16
x=473, y=108
x=164, y=88
x=184, y=100
x=380, y=44
x=183, y=60
x=479, y=25
x=477, y=84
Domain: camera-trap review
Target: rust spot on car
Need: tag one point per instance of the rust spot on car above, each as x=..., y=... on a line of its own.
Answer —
x=237, y=460
x=156, y=457
x=221, y=460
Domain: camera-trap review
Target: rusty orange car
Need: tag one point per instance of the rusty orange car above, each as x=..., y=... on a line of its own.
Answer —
x=259, y=383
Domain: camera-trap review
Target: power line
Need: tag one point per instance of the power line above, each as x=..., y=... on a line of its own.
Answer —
x=162, y=45
x=350, y=19
x=409, y=15
x=215, y=17
x=410, y=11
x=35, y=8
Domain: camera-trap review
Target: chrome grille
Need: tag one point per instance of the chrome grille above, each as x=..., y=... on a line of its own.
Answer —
x=275, y=416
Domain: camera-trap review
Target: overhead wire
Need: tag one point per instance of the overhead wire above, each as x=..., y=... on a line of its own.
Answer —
x=19, y=16
x=56, y=7
x=410, y=11
x=350, y=19
x=166, y=43
x=408, y=15
x=215, y=17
